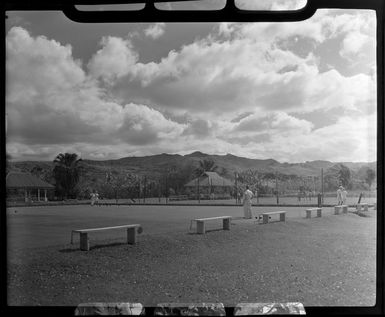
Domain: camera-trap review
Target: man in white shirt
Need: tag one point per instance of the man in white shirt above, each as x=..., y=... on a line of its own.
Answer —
x=247, y=196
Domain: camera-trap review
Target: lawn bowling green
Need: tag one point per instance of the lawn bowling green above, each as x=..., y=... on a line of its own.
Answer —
x=52, y=225
x=167, y=255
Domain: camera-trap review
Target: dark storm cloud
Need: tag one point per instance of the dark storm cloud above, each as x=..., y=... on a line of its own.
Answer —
x=198, y=128
x=44, y=126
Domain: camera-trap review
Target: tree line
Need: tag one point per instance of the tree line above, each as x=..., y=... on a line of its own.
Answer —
x=71, y=180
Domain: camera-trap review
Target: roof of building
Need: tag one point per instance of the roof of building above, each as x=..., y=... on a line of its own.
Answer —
x=25, y=180
x=210, y=179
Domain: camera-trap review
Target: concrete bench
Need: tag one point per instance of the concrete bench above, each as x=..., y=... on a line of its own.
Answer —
x=310, y=210
x=201, y=223
x=84, y=241
x=266, y=215
x=340, y=208
x=362, y=205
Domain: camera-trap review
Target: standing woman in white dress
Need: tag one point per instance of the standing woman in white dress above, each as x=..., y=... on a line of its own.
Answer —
x=339, y=196
x=247, y=196
x=344, y=195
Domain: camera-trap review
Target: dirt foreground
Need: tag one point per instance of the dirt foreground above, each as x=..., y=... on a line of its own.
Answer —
x=328, y=261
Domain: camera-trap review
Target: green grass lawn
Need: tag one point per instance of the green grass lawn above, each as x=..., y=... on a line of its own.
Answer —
x=52, y=225
x=328, y=261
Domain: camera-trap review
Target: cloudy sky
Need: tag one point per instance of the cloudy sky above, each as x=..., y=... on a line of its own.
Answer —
x=293, y=92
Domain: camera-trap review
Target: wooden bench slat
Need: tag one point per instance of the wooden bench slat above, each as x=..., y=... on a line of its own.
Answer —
x=106, y=228
x=213, y=218
x=274, y=212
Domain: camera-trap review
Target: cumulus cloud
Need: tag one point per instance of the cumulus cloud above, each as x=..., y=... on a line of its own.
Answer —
x=113, y=60
x=52, y=102
x=244, y=66
x=27, y=56
x=143, y=125
x=357, y=45
x=231, y=91
x=155, y=31
x=199, y=127
x=259, y=128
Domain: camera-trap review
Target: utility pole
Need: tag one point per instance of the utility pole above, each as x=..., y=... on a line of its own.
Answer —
x=236, y=188
x=167, y=188
x=144, y=189
x=276, y=187
x=199, y=195
x=322, y=185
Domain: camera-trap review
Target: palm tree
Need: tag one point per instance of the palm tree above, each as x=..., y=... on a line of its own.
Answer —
x=344, y=175
x=206, y=166
x=66, y=173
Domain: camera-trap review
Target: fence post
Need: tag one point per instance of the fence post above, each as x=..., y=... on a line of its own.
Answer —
x=199, y=195
x=322, y=184
x=276, y=188
x=236, y=188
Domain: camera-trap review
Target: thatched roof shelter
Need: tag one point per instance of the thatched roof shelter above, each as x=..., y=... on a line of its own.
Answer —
x=210, y=179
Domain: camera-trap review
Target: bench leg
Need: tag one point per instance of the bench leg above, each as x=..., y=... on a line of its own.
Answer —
x=308, y=214
x=282, y=217
x=358, y=207
x=336, y=210
x=131, y=235
x=201, y=227
x=265, y=218
x=319, y=212
x=84, y=242
x=345, y=209
x=226, y=224
x=366, y=208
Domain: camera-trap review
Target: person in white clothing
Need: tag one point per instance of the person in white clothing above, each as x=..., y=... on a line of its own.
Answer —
x=339, y=196
x=344, y=195
x=247, y=196
x=96, y=198
x=93, y=198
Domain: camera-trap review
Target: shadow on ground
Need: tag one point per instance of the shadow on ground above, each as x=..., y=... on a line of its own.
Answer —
x=99, y=246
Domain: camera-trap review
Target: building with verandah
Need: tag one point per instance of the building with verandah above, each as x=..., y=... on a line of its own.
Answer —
x=26, y=187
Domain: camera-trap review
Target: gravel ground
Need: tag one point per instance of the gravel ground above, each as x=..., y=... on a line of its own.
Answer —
x=328, y=261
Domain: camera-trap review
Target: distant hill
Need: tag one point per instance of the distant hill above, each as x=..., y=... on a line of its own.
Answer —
x=155, y=166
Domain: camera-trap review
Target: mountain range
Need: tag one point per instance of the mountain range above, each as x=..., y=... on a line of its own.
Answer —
x=155, y=165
